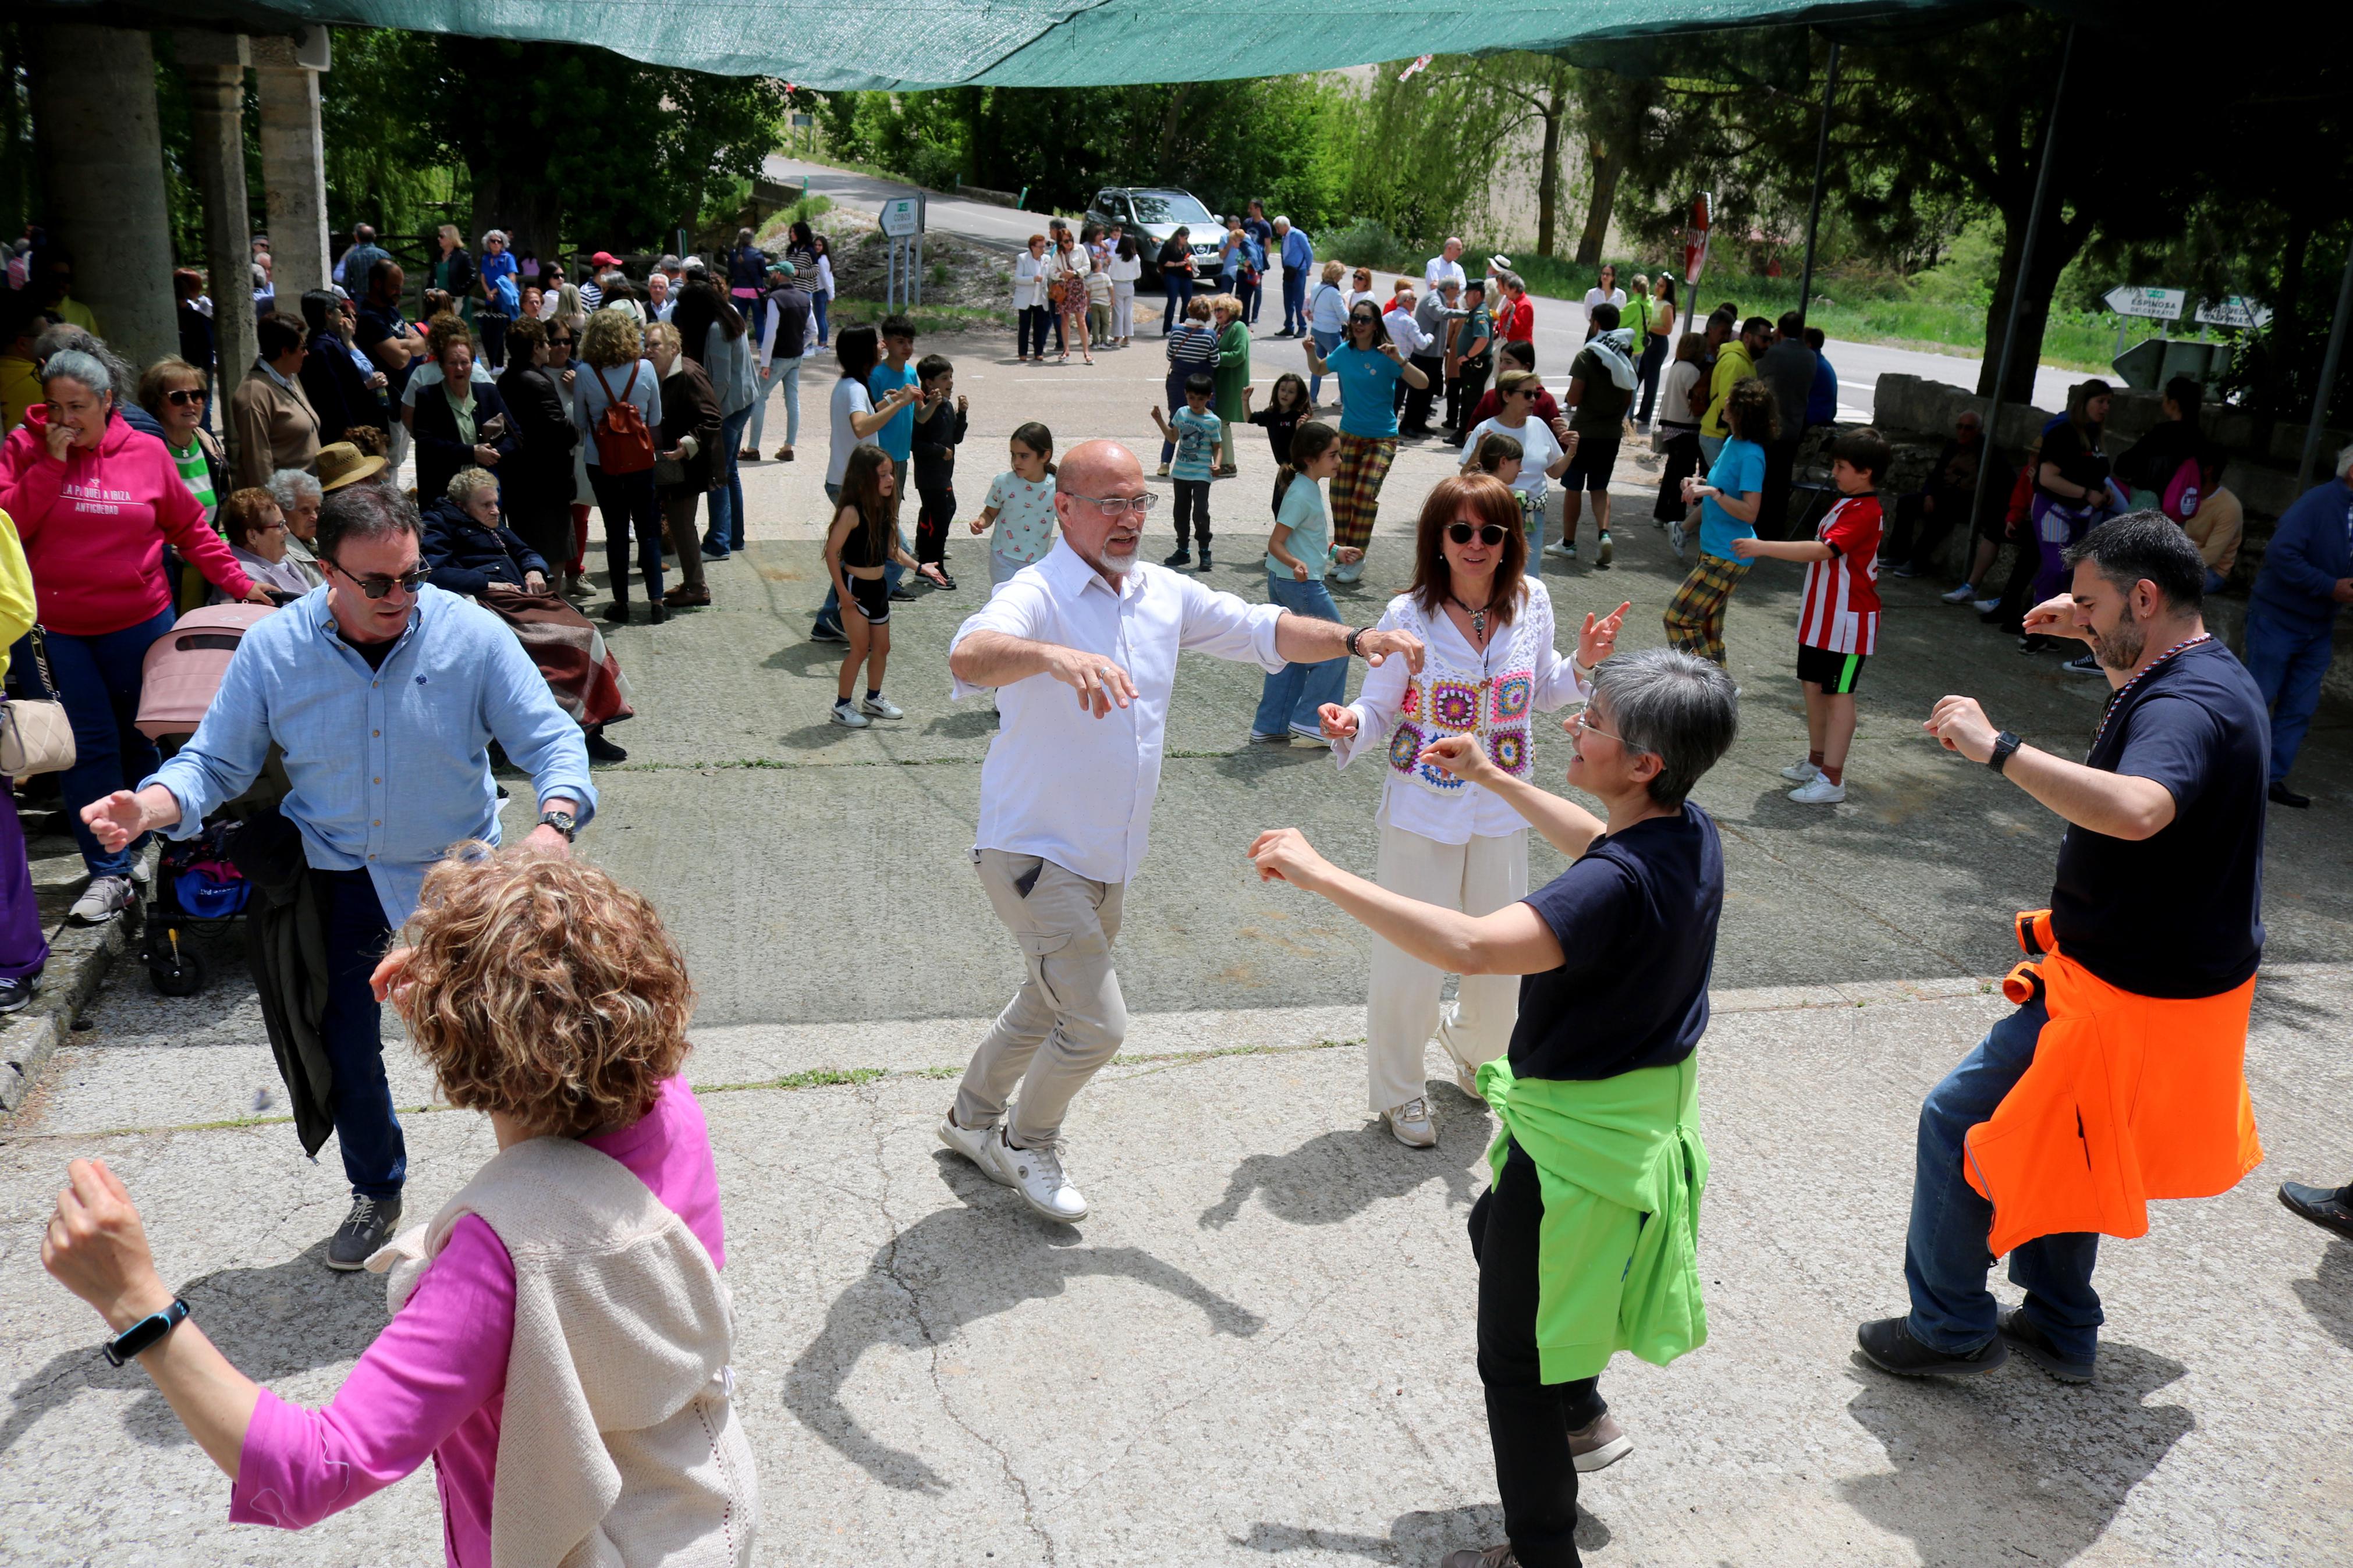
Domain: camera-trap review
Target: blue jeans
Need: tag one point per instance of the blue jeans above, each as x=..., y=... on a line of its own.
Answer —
x=375, y=1156
x=727, y=481
x=1945, y=1259
x=1293, y=693
x=1294, y=299
x=817, y=302
x=786, y=373
x=98, y=681
x=1324, y=343
x=2286, y=661
x=1179, y=287
x=1537, y=522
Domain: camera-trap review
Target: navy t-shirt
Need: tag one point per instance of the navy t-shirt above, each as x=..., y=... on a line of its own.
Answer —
x=1636, y=919
x=2178, y=913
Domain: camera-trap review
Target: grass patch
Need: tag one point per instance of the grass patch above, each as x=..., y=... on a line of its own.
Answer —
x=926, y=318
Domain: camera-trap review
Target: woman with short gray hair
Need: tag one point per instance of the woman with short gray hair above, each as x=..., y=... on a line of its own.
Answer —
x=1587, y=1239
x=299, y=498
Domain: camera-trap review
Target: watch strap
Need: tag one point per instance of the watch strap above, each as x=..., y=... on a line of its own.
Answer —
x=564, y=822
x=143, y=1335
x=2003, y=745
x=1355, y=635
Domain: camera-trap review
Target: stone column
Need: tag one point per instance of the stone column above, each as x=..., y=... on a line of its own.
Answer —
x=293, y=171
x=213, y=67
x=100, y=148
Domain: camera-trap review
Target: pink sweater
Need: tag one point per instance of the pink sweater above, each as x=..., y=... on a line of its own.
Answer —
x=94, y=527
x=434, y=1382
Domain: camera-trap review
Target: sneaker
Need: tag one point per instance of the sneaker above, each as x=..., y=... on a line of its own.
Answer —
x=1479, y=1557
x=1601, y=557
x=847, y=717
x=2327, y=1207
x=1965, y=593
x=601, y=750
x=715, y=553
x=1887, y=1343
x=904, y=593
x=1600, y=1446
x=1819, y=792
x=1466, y=1078
x=876, y=706
x=972, y=1143
x=1177, y=558
x=1985, y=606
x=1411, y=1123
x=105, y=898
x=1036, y=1175
x=2086, y=663
x=1348, y=572
x=1557, y=548
x=142, y=873
x=1675, y=538
x=826, y=631
x=947, y=581
x=1309, y=737
x=1802, y=770
x=1204, y=558
x=1906, y=570
x=16, y=994
x=364, y=1230
x=1163, y=470
x=2019, y=1330
x=1281, y=738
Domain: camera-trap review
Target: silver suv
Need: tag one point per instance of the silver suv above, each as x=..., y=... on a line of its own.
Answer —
x=1154, y=214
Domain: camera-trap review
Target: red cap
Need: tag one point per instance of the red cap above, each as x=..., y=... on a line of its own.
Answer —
x=605, y=259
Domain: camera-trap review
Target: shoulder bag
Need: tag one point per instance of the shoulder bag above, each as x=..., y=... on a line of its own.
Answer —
x=36, y=736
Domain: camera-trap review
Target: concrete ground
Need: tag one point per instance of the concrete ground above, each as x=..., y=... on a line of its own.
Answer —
x=1261, y=1346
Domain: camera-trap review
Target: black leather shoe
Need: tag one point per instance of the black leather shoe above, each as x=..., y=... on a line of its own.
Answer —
x=618, y=612
x=2018, y=1331
x=366, y=1227
x=2283, y=795
x=2330, y=1209
x=1889, y=1344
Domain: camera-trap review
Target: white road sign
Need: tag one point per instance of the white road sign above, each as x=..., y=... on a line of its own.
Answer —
x=2159, y=304
x=2238, y=310
x=902, y=216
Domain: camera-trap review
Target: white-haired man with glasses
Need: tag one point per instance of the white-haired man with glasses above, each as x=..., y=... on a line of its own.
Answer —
x=1066, y=794
x=383, y=694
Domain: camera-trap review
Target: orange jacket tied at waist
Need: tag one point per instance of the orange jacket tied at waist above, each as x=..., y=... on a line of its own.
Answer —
x=2129, y=1098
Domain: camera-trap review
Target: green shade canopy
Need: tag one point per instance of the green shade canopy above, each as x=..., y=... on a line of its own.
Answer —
x=830, y=43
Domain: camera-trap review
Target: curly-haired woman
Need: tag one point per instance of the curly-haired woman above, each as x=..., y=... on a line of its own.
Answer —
x=549, y=997
x=1729, y=499
x=613, y=347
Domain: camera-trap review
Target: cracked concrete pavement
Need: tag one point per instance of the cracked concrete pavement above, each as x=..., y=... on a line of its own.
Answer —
x=1260, y=1349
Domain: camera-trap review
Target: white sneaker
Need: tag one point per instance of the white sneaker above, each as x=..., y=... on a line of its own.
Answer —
x=1801, y=771
x=847, y=717
x=1411, y=1125
x=1309, y=737
x=880, y=708
x=1985, y=606
x=105, y=898
x=1821, y=791
x=1557, y=548
x=1960, y=595
x=972, y=1143
x=1036, y=1175
x=1675, y=538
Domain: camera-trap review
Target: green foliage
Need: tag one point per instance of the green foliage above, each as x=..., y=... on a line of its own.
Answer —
x=1365, y=243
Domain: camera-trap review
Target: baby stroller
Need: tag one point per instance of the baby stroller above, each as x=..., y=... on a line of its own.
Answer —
x=196, y=887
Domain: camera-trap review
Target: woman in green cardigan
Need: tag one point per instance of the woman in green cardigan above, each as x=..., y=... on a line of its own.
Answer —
x=1233, y=374
x=1587, y=1239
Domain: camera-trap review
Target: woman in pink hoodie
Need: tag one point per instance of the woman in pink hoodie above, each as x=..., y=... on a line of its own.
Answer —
x=94, y=502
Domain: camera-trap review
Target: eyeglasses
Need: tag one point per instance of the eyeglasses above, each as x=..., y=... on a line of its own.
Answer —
x=378, y=587
x=1115, y=506
x=184, y=396
x=1489, y=535
x=1585, y=723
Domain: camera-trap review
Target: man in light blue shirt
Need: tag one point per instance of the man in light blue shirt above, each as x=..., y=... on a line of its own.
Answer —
x=384, y=695
x=1298, y=259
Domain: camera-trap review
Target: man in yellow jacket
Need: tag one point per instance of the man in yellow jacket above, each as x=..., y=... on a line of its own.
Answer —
x=1734, y=362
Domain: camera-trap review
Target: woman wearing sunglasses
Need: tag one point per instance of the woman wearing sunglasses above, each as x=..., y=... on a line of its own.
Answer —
x=1489, y=666
x=1368, y=367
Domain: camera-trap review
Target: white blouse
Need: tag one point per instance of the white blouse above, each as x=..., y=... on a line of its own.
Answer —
x=1027, y=288
x=1460, y=691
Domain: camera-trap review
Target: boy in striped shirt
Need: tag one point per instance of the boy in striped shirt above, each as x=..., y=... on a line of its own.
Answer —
x=1838, y=618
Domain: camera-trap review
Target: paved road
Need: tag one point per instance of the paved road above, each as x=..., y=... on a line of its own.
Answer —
x=1560, y=323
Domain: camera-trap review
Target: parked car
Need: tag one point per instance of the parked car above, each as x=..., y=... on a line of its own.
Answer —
x=1152, y=216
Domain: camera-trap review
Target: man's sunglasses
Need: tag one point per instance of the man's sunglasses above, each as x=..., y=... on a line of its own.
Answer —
x=378, y=587
x=1489, y=535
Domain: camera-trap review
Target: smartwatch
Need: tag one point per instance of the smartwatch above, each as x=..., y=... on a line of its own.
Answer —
x=2003, y=744
x=564, y=822
x=143, y=1335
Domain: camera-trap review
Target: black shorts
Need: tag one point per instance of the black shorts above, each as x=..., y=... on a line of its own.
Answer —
x=871, y=598
x=1835, y=673
x=1589, y=468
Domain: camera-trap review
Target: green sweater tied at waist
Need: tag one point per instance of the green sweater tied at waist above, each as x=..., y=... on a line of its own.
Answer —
x=1621, y=1168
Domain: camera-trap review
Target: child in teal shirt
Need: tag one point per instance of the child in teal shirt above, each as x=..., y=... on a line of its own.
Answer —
x=1195, y=432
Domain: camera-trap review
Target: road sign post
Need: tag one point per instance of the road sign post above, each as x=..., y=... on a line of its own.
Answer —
x=902, y=226
x=2128, y=300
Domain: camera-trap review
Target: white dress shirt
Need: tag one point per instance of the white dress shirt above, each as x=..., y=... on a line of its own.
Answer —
x=1409, y=338
x=1058, y=781
x=1439, y=270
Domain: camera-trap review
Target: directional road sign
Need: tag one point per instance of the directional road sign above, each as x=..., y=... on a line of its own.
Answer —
x=2160, y=304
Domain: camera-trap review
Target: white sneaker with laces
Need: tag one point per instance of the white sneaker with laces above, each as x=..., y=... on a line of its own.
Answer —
x=1821, y=792
x=1037, y=1176
x=1985, y=606
x=1411, y=1125
x=1960, y=595
x=1675, y=538
x=105, y=898
x=972, y=1143
x=847, y=717
x=880, y=707
x=1802, y=770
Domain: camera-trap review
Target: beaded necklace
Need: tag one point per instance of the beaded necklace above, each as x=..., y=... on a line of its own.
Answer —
x=2117, y=696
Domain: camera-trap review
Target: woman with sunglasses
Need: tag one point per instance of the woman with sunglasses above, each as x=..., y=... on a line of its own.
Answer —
x=1368, y=367
x=1489, y=666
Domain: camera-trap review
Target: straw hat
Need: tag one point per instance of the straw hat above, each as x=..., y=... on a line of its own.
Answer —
x=340, y=464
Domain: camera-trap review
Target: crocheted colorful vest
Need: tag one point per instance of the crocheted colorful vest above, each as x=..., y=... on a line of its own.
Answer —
x=1453, y=698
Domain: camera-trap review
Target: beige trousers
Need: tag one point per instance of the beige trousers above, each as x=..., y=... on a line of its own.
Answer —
x=1402, y=1011
x=1069, y=1017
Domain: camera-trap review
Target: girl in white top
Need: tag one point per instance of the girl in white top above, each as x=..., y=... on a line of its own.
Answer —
x=1021, y=506
x=1126, y=267
x=1608, y=292
x=1489, y=667
x=1543, y=456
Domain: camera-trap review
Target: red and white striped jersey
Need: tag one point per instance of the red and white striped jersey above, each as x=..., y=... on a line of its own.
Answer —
x=1840, y=611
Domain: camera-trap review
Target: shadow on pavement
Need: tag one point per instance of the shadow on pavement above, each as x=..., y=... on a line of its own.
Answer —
x=2053, y=1463
x=922, y=1289
x=1337, y=1175
x=2329, y=1294
x=1423, y=1536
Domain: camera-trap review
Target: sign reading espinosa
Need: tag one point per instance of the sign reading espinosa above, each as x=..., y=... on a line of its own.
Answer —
x=902, y=216
x=2159, y=304
x=2238, y=310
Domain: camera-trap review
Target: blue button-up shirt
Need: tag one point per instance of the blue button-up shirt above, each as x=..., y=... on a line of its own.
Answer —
x=390, y=767
x=1298, y=255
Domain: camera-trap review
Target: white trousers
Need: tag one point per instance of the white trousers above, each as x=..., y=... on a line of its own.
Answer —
x=1402, y=1011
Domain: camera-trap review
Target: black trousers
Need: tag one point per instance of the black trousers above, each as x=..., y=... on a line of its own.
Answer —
x=626, y=501
x=1683, y=462
x=939, y=505
x=1528, y=1419
x=1463, y=394
x=1781, y=465
x=1418, y=399
x=1192, y=511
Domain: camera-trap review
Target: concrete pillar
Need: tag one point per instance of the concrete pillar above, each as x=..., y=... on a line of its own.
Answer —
x=213, y=64
x=100, y=149
x=293, y=170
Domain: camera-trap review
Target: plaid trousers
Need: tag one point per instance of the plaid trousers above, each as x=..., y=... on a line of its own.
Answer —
x=1356, y=489
x=1694, y=615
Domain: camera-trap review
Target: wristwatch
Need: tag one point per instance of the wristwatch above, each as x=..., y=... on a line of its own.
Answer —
x=2003, y=744
x=564, y=822
x=142, y=1335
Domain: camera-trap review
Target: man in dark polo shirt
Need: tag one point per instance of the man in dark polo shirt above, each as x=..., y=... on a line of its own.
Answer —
x=2155, y=914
